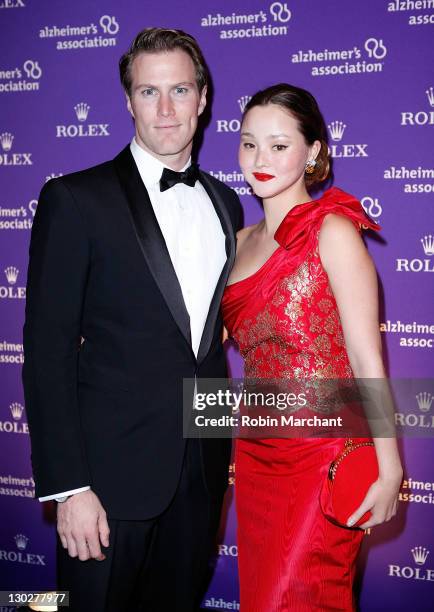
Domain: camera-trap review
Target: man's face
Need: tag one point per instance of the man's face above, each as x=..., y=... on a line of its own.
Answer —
x=165, y=103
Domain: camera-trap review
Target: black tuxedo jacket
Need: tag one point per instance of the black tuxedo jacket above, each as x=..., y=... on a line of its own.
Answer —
x=107, y=342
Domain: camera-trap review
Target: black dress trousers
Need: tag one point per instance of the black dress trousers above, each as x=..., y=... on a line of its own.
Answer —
x=155, y=565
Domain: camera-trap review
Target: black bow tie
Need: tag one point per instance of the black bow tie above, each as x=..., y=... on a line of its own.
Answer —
x=169, y=178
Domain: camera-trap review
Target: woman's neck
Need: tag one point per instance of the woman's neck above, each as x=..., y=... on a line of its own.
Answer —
x=278, y=207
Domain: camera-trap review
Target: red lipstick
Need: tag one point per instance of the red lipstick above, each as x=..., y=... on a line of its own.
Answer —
x=260, y=176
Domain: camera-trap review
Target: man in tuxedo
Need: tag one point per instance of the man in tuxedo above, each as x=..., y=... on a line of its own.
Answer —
x=128, y=262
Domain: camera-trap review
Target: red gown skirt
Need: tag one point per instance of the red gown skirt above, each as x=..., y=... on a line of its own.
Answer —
x=291, y=558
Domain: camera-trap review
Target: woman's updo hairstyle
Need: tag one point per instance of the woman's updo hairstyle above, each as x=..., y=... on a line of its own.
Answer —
x=304, y=108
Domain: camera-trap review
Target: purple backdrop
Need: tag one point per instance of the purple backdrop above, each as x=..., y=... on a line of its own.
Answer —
x=368, y=63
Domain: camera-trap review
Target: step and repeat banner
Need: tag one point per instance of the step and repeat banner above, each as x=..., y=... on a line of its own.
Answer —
x=369, y=64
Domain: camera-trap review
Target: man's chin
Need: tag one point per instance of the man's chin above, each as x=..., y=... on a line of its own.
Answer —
x=165, y=148
x=171, y=149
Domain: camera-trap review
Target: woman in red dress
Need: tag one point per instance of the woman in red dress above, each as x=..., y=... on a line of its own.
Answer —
x=301, y=303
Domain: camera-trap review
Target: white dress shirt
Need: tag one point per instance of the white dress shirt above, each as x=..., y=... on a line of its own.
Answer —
x=194, y=239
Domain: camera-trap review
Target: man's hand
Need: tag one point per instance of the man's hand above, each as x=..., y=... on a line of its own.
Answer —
x=82, y=526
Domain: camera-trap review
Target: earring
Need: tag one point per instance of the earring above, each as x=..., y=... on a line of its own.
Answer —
x=310, y=166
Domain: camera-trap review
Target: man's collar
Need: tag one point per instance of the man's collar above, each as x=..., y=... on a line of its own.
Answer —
x=150, y=168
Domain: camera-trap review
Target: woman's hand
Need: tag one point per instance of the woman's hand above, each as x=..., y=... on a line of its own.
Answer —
x=381, y=499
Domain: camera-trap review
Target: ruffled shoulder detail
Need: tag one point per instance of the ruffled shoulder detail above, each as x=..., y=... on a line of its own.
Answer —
x=297, y=230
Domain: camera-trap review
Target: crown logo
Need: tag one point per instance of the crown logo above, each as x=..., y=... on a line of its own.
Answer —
x=242, y=102
x=430, y=93
x=420, y=554
x=424, y=401
x=16, y=411
x=12, y=274
x=82, y=111
x=428, y=244
x=337, y=129
x=21, y=541
x=6, y=140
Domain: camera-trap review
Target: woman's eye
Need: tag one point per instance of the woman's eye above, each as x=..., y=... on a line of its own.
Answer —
x=248, y=145
x=280, y=147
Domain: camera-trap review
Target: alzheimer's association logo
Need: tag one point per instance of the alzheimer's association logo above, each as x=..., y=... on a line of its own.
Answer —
x=280, y=12
x=81, y=129
x=372, y=207
x=77, y=37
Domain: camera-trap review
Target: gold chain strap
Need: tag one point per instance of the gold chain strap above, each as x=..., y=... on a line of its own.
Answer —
x=348, y=448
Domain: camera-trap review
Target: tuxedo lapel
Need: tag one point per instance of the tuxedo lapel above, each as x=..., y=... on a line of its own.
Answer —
x=221, y=210
x=151, y=240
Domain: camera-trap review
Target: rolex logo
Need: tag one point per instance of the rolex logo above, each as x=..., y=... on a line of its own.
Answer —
x=12, y=274
x=21, y=541
x=12, y=159
x=15, y=425
x=424, y=401
x=6, y=140
x=419, y=265
x=420, y=555
x=82, y=111
x=336, y=129
x=16, y=411
x=12, y=291
x=428, y=244
x=242, y=102
x=420, y=117
x=81, y=129
x=22, y=555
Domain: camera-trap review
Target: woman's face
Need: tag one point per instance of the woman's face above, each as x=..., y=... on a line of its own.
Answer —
x=273, y=152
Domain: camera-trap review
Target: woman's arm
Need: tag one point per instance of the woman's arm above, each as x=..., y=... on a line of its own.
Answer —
x=353, y=280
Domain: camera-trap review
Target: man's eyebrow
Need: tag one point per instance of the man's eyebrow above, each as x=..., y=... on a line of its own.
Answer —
x=151, y=86
x=147, y=85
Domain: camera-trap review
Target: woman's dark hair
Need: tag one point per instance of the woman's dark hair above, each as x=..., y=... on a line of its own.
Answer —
x=160, y=40
x=304, y=108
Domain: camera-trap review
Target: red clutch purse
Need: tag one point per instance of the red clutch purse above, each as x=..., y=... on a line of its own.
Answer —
x=349, y=477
